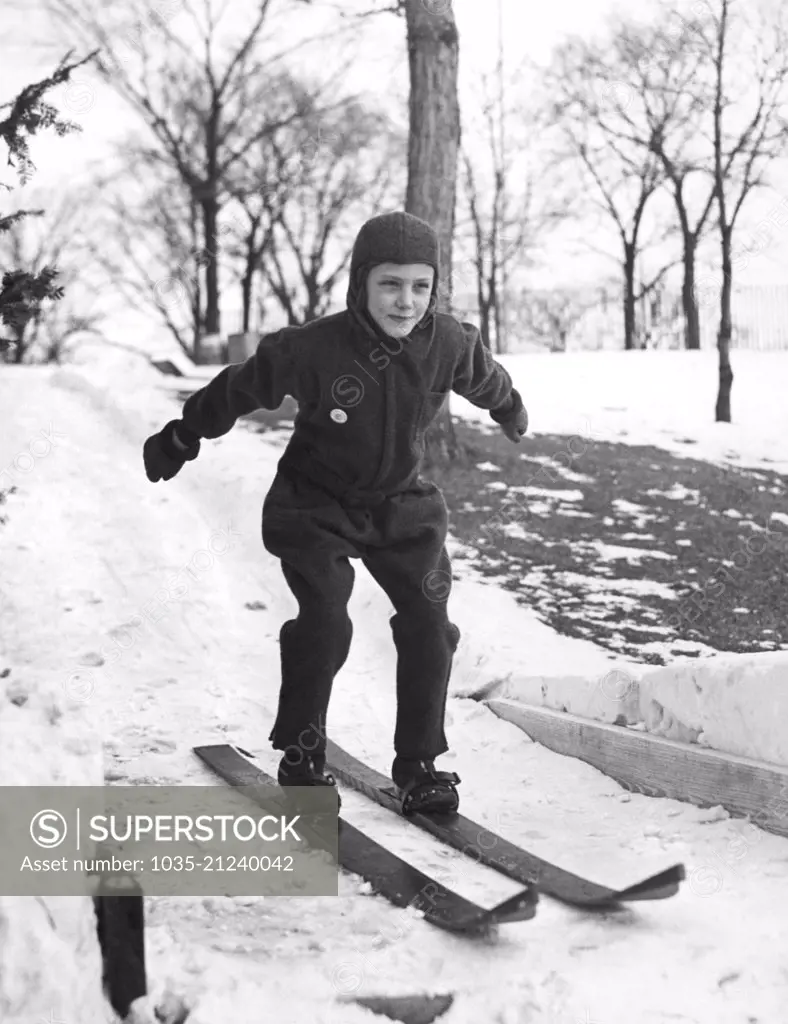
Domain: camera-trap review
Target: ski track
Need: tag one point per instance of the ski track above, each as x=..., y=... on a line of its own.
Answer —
x=88, y=545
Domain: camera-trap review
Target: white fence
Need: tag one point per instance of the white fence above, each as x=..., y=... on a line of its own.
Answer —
x=760, y=321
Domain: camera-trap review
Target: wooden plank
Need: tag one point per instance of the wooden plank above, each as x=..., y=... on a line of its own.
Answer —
x=655, y=766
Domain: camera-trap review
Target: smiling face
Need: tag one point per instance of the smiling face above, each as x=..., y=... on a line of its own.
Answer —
x=398, y=295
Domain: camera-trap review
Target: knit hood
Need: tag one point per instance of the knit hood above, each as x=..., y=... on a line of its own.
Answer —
x=397, y=237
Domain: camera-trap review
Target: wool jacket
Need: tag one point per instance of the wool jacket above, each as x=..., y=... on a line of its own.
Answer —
x=365, y=399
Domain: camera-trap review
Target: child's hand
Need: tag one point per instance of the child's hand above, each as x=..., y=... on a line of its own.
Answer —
x=516, y=427
x=164, y=455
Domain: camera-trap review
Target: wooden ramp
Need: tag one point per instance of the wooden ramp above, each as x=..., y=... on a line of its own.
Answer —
x=655, y=766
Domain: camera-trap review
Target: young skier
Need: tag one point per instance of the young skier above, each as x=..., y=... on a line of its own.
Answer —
x=368, y=382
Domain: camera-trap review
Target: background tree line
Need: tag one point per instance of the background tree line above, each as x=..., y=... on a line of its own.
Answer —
x=245, y=182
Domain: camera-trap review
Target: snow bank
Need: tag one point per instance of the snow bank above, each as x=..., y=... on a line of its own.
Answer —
x=46, y=735
x=732, y=703
x=736, y=703
x=46, y=741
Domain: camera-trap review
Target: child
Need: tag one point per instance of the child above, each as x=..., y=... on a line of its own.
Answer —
x=368, y=382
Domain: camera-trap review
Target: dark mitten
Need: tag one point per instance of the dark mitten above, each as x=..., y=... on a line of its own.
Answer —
x=161, y=454
x=512, y=418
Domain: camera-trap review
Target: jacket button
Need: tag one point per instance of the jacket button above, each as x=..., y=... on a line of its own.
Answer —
x=338, y=415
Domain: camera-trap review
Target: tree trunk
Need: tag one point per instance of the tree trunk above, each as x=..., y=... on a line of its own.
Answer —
x=18, y=330
x=210, y=216
x=312, y=297
x=723, y=407
x=689, y=299
x=722, y=412
x=495, y=302
x=629, y=296
x=251, y=260
x=196, y=300
x=484, y=322
x=689, y=239
x=433, y=146
x=246, y=295
x=197, y=321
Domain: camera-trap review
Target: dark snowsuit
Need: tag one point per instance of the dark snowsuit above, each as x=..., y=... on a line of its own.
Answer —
x=348, y=486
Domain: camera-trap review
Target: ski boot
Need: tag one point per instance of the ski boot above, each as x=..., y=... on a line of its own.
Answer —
x=424, y=790
x=310, y=771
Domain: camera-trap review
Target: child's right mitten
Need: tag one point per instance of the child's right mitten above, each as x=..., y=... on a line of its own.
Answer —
x=162, y=455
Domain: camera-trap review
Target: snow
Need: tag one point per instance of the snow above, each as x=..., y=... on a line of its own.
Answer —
x=563, y=472
x=746, y=712
x=678, y=493
x=660, y=398
x=614, y=552
x=149, y=614
x=37, y=720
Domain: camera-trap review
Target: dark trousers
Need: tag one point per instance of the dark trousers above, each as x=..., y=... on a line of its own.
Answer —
x=402, y=544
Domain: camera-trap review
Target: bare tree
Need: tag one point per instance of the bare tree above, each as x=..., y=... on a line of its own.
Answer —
x=742, y=155
x=146, y=247
x=287, y=203
x=502, y=226
x=299, y=193
x=205, y=115
x=673, y=85
x=585, y=104
x=661, y=110
x=502, y=229
x=250, y=237
x=710, y=87
x=549, y=315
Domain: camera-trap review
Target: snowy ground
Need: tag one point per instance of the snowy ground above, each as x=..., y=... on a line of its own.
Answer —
x=660, y=398
x=91, y=554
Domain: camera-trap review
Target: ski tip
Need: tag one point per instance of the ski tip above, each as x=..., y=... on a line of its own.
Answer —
x=520, y=907
x=659, y=887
